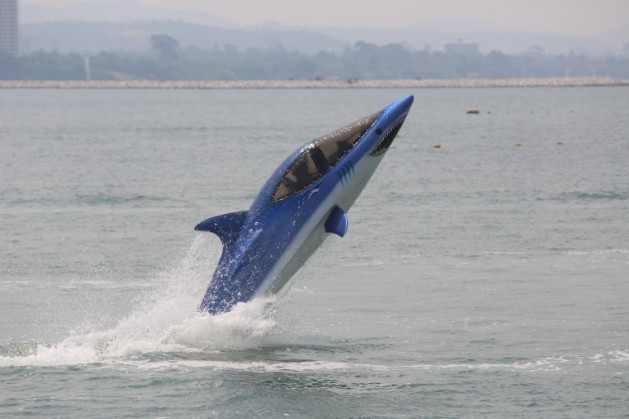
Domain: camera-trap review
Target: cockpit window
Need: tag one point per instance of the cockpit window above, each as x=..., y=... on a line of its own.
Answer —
x=337, y=143
x=320, y=155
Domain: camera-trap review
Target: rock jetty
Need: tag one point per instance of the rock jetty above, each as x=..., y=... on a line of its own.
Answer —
x=312, y=84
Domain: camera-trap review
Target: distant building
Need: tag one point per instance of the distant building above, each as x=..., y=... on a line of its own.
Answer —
x=8, y=27
x=461, y=48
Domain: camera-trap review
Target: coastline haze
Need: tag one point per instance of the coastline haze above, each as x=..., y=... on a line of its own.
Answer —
x=576, y=17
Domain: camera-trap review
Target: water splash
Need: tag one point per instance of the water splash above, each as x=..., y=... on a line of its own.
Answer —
x=166, y=320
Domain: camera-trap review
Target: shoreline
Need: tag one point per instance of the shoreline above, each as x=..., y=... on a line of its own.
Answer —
x=314, y=84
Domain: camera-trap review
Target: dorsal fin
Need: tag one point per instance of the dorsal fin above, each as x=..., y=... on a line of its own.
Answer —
x=227, y=226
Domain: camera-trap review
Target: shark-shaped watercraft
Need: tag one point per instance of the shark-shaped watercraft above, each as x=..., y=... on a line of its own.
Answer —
x=304, y=200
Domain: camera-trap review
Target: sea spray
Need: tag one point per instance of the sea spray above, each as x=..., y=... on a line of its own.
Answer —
x=165, y=320
x=241, y=328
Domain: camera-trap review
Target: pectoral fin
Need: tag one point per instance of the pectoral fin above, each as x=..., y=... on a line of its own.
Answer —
x=337, y=222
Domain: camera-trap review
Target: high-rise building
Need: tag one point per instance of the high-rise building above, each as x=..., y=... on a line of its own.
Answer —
x=8, y=27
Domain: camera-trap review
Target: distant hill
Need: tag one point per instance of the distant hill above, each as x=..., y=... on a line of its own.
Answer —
x=492, y=38
x=617, y=39
x=134, y=36
x=69, y=36
x=127, y=25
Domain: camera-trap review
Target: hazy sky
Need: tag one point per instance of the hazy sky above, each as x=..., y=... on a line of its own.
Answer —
x=578, y=17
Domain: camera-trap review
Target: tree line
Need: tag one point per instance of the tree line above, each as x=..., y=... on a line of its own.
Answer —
x=167, y=61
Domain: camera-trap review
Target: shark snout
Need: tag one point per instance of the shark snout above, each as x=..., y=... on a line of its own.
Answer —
x=391, y=124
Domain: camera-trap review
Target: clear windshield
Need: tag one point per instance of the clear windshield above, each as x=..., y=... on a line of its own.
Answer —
x=320, y=155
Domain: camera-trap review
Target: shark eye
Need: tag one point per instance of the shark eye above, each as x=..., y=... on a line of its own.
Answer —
x=385, y=142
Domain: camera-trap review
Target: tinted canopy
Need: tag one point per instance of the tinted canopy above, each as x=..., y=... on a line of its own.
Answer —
x=320, y=155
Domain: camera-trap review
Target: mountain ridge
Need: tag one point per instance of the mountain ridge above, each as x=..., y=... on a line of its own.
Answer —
x=127, y=26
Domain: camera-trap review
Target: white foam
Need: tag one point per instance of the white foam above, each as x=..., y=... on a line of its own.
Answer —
x=241, y=328
x=612, y=356
x=543, y=364
x=166, y=320
x=619, y=356
x=254, y=366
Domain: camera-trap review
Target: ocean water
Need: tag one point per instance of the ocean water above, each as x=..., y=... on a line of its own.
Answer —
x=485, y=278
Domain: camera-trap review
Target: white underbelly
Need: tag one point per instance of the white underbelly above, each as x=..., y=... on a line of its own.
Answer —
x=312, y=234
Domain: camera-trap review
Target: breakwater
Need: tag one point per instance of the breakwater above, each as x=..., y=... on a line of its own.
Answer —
x=312, y=84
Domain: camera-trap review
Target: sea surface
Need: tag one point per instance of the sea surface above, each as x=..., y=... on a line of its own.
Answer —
x=487, y=277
